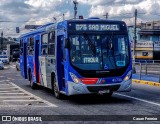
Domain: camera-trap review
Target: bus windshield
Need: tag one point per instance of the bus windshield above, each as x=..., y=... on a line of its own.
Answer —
x=99, y=51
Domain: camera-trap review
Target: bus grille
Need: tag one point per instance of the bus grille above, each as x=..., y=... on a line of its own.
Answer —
x=100, y=88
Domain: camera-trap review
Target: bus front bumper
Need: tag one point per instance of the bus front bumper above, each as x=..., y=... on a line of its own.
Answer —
x=80, y=88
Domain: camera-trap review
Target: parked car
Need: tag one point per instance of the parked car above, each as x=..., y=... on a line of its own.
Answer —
x=1, y=64
x=4, y=59
x=18, y=64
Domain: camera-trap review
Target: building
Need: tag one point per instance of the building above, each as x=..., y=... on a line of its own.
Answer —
x=9, y=40
x=148, y=41
x=150, y=31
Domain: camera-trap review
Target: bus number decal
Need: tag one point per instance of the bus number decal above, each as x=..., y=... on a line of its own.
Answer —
x=120, y=63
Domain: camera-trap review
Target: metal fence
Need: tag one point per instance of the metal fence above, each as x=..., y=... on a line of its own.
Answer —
x=147, y=69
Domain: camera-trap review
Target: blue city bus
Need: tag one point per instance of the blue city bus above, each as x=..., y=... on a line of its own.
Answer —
x=79, y=56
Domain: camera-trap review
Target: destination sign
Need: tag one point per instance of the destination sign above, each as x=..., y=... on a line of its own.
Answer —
x=97, y=27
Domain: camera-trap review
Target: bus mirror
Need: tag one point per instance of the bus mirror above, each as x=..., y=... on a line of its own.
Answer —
x=66, y=45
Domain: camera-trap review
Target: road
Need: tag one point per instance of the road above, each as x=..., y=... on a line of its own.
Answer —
x=17, y=98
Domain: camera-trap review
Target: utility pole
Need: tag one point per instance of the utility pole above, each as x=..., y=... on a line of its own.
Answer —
x=75, y=8
x=63, y=16
x=106, y=15
x=54, y=19
x=135, y=34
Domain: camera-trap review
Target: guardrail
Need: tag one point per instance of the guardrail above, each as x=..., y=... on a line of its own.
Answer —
x=147, y=69
x=146, y=61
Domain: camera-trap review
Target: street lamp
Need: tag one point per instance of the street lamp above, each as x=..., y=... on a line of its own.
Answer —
x=75, y=8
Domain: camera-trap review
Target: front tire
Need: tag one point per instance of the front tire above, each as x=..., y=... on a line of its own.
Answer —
x=32, y=84
x=17, y=68
x=57, y=93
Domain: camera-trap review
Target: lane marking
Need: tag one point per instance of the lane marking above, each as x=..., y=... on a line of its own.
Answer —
x=12, y=93
x=142, y=100
x=4, y=85
x=19, y=106
x=20, y=100
x=2, y=97
x=38, y=98
x=7, y=88
x=9, y=92
x=4, y=80
x=150, y=83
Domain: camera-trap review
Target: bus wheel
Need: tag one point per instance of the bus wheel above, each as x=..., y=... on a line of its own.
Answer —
x=32, y=84
x=17, y=68
x=56, y=90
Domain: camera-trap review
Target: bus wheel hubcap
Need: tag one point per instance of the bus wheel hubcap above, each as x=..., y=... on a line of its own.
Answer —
x=55, y=89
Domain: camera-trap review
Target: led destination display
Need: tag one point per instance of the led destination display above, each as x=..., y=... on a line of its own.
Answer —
x=96, y=27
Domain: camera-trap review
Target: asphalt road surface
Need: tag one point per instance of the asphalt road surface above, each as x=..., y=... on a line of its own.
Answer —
x=17, y=98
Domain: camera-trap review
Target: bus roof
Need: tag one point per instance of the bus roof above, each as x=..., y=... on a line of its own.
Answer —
x=95, y=20
x=42, y=29
x=36, y=31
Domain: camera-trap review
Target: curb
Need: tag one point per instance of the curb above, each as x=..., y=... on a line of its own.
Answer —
x=150, y=83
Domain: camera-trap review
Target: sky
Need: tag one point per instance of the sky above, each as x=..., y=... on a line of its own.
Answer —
x=29, y=12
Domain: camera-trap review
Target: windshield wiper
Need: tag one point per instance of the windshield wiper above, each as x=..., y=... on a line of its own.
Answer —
x=91, y=45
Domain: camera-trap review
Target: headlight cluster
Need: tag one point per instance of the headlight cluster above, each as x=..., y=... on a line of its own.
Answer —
x=128, y=76
x=75, y=78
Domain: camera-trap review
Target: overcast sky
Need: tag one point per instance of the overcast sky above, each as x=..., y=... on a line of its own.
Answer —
x=43, y=11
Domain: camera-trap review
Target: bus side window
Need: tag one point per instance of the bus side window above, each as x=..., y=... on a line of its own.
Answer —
x=63, y=52
x=51, y=43
x=30, y=45
x=44, y=50
x=21, y=47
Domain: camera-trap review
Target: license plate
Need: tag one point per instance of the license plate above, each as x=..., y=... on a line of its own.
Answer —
x=104, y=91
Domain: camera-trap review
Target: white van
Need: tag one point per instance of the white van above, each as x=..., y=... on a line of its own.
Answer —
x=4, y=59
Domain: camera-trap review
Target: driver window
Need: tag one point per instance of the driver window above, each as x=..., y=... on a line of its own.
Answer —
x=30, y=45
x=75, y=48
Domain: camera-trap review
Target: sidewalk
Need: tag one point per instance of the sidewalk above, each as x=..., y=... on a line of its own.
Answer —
x=154, y=78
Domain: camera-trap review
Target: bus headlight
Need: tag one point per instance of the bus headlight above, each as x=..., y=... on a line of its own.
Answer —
x=128, y=76
x=75, y=78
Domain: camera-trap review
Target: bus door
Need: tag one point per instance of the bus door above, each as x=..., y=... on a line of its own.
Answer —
x=43, y=59
x=61, y=62
x=23, y=59
x=36, y=58
x=50, y=65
